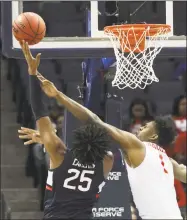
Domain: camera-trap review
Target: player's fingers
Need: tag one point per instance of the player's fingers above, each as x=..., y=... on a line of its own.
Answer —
x=28, y=52
x=47, y=83
x=41, y=78
x=27, y=136
x=29, y=130
x=26, y=133
x=44, y=82
x=29, y=56
x=22, y=43
x=25, y=130
x=24, y=47
x=25, y=52
x=37, y=135
x=38, y=59
x=28, y=142
x=22, y=132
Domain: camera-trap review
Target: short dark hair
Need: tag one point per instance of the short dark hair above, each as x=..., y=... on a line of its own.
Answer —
x=166, y=130
x=91, y=143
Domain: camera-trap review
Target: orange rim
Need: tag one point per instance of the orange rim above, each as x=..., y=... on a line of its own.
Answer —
x=139, y=28
x=128, y=44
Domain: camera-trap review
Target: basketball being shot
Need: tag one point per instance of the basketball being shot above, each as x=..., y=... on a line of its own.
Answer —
x=93, y=109
x=29, y=27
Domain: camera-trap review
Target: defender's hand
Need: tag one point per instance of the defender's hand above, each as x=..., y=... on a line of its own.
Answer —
x=47, y=86
x=31, y=135
x=32, y=62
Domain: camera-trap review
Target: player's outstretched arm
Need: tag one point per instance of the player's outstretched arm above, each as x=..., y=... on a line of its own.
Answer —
x=126, y=139
x=48, y=136
x=179, y=171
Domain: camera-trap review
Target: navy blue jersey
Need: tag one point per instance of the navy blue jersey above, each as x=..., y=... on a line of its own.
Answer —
x=72, y=189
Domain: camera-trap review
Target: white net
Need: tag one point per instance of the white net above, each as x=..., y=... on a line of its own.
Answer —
x=135, y=68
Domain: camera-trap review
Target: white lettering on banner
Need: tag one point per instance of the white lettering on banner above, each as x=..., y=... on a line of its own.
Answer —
x=108, y=212
x=114, y=176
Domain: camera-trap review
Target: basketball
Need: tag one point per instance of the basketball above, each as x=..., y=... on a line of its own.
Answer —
x=29, y=27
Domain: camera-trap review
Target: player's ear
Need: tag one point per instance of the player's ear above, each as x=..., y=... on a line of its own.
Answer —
x=153, y=137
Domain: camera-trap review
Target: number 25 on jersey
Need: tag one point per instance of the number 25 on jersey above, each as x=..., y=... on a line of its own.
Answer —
x=83, y=178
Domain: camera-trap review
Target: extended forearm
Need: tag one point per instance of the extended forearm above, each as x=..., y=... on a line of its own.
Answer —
x=182, y=174
x=179, y=171
x=78, y=110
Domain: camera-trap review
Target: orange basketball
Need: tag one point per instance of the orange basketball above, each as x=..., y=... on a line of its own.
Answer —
x=29, y=27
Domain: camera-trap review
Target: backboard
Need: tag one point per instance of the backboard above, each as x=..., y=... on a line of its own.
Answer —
x=88, y=39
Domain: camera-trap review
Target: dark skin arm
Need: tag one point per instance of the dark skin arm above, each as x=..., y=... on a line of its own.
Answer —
x=85, y=115
x=179, y=171
x=128, y=142
x=51, y=141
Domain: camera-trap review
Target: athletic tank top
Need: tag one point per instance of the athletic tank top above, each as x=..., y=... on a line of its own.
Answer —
x=72, y=189
x=152, y=185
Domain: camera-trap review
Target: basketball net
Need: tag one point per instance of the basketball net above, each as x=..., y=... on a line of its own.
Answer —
x=135, y=48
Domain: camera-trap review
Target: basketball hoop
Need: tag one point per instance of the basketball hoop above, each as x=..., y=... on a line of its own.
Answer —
x=142, y=42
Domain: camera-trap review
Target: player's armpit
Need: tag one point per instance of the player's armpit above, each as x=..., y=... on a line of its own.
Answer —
x=179, y=171
x=52, y=143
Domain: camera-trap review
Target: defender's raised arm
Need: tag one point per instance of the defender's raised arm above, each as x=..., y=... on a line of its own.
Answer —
x=126, y=139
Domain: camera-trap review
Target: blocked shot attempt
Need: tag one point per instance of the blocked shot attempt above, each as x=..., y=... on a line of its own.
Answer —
x=142, y=154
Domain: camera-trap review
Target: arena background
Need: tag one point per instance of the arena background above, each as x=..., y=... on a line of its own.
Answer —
x=82, y=66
